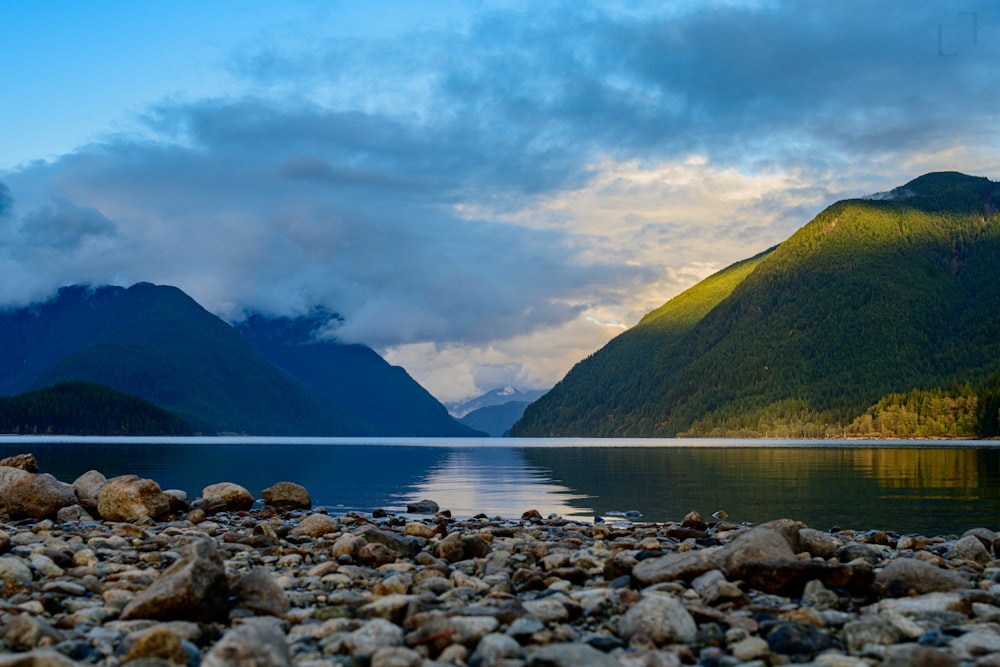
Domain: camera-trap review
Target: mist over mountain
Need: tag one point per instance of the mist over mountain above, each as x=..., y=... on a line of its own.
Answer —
x=878, y=317
x=156, y=343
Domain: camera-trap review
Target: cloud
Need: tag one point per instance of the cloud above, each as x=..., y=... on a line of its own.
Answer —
x=482, y=201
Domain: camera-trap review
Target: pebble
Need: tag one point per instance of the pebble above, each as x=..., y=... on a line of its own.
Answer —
x=281, y=585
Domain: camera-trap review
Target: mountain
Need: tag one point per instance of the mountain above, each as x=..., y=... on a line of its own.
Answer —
x=351, y=376
x=889, y=304
x=82, y=408
x=495, y=420
x=157, y=343
x=498, y=396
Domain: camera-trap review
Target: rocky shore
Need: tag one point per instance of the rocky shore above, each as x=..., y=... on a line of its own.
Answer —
x=120, y=572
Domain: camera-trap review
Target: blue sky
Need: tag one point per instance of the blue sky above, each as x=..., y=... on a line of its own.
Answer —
x=487, y=192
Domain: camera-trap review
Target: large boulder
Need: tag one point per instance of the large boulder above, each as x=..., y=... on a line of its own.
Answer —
x=37, y=496
x=287, y=495
x=130, y=498
x=236, y=497
x=194, y=588
x=658, y=618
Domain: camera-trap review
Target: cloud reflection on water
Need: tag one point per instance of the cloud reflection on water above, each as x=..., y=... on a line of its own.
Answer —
x=494, y=481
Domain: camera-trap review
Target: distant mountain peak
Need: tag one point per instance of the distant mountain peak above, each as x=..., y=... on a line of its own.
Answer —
x=496, y=396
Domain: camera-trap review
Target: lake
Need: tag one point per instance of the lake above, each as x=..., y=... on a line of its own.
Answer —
x=929, y=487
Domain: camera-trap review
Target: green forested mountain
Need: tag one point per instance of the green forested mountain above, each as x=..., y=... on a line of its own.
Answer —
x=871, y=300
x=83, y=408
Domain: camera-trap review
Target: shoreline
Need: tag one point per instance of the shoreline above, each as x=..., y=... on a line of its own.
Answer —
x=215, y=581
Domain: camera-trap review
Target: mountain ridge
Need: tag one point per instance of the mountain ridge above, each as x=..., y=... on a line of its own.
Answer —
x=156, y=343
x=870, y=298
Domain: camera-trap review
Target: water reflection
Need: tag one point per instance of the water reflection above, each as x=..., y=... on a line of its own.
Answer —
x=496, y=482
x=936, y=490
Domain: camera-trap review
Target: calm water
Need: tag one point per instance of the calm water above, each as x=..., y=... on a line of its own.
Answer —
x=926, y=487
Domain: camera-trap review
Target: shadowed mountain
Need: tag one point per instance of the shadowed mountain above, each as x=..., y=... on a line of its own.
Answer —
x=352, y=376
x=872, y=299
x=157, y=343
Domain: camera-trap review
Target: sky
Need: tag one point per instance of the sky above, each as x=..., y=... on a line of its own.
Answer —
x=486, y=192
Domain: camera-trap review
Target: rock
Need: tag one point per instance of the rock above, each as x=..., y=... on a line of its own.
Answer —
x=371, y=636
x=37, y=496
x=25, y=632
x=767, y=542
x=971, y=548
x=870, y=629
x=287, y=496
x=820, y=543
x=375, y=555
x=316, y=525
x=423, y=507
x=907, y=576
x=87, y=486
x=570, y=655
x=178, y=500
x=908, y=655
x=131, y=498
x=547, y=610
x=658, y=618
x=25, y=462
x=683, y=566
x=158, y=642
x=194, y=588
x=976, y=643
x=750, y=648
x=695, y=521
x=237, y=498
x=798, y=638
x=493, y=648
x=258, y=642
x=856, y=550
x=13, y=570
x=441, y=631
x=4, y=542
x=209, y=505
x=39, y=658
x=789, y=577
x=73, y=513
x=396, y=656
x=257, y=592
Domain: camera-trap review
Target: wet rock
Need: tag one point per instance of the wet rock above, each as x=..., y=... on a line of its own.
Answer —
x=131, y=498
x=257, y=592
x=423, y=507
x=236, y=497
x=907, y=576
x=798, y=638
x=37, y=496
x=194, y=588
x=971, y=548
x=257, y=642
x=694, y=521
x=25, y=462
x=287, y=496
x=658, y=618
x=316, y=525
x=86, y=487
